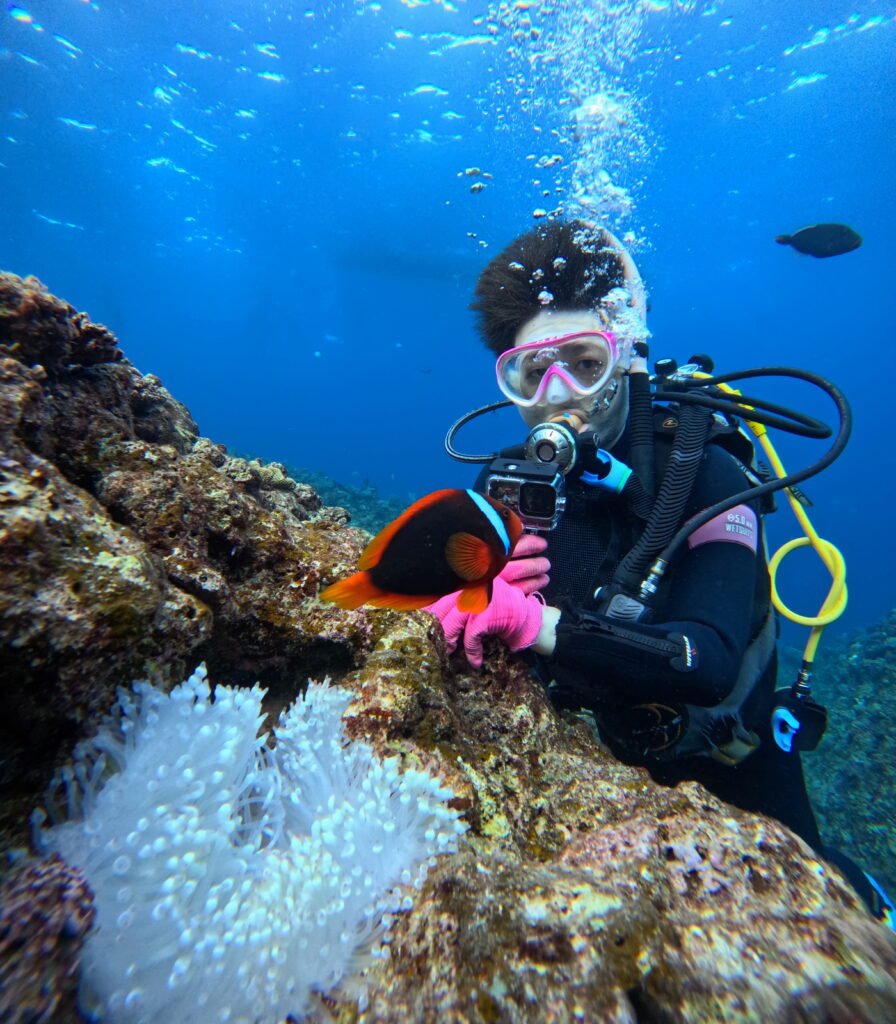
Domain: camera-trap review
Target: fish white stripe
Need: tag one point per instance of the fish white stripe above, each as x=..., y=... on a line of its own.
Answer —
x=492, y=516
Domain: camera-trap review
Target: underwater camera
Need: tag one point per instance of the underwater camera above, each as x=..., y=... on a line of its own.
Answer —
x=532, y=484
x=534, y=490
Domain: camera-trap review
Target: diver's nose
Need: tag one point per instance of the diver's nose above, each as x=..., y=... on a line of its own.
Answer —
x=557, y=390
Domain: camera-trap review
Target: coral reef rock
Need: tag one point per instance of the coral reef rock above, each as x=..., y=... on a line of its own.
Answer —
x=130, y=545
x=852, y=775
x=581, y=891
x=585, y=892
x=369, y=509
x=46, y=912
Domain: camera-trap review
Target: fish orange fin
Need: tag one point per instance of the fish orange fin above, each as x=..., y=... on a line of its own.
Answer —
x=469, y=556
x=474, y=599
x=351, y=592
x=371, y=555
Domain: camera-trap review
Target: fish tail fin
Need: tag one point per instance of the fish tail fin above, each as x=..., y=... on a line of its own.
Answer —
x=351, y=592
x=474, y=599
x=359, y=589
x=783, y=239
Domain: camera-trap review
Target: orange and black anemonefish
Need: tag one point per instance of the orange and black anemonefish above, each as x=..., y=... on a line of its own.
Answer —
x=449, y=540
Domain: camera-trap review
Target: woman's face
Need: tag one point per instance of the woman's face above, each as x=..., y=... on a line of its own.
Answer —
x=604, y=413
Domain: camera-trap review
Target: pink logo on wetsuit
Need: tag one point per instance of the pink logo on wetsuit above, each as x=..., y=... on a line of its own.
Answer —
x=736, y=526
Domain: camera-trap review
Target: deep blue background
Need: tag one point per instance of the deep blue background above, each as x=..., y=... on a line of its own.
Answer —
x=299, y=278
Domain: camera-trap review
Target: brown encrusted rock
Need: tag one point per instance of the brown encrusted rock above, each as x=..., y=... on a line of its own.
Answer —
x=274, y=488
x=83, y=605
x=603, y=935
x=586, y=892
x=37, y=328
x=65, y=389
x=257, y=564
x=46, y=910
x=130, y=545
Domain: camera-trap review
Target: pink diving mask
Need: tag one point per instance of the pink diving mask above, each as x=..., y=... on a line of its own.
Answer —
x=555, y=369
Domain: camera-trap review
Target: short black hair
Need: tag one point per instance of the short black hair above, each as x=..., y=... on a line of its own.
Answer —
x=559, y=265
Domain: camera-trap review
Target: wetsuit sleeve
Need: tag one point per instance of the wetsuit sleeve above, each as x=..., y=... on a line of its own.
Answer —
x=695, y=652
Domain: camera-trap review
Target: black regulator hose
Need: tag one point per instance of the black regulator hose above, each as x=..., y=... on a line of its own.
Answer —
x=449, y=437
x=639, y=501
x=640, y=424
x=777, y=416
x=685, y=460
x=752, y=493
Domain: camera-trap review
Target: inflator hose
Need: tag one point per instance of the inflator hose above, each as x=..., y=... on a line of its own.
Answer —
x=640, y=424
x=639, y=501
x=684, y=463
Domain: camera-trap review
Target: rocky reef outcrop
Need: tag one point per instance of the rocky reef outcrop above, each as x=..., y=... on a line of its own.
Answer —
x=130, y=546
x=852, y=774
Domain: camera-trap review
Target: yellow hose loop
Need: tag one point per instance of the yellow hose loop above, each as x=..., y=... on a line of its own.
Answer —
x=835, y=602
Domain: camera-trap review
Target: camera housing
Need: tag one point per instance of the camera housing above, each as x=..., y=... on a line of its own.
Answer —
x=534, y=490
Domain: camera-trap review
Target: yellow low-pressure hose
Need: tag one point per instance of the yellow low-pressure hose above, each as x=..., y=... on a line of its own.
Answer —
x=835, y=601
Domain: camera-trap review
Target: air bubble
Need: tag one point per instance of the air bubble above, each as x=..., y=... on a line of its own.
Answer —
x=134, y=999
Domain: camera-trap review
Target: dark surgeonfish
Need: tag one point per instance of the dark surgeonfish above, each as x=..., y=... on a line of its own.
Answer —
x=822, y=240
x=447, y=541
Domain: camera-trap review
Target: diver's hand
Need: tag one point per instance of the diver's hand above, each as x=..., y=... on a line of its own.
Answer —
x=527, y=569
x=519, y=619
x=513, y=616
x=453, y=620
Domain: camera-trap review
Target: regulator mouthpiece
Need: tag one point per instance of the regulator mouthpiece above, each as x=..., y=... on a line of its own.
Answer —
x=553, y=443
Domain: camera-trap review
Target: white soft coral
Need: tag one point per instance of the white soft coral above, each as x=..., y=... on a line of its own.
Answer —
x=233, y=881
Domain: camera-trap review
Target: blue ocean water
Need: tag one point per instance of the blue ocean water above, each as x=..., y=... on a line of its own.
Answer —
x=270, y=205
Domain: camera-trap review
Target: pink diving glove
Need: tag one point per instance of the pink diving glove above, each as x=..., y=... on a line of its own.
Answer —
x=512, y=615
x=525, y=570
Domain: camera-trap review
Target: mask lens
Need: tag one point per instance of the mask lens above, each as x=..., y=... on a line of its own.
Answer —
x=532, y=367
x=584, y=361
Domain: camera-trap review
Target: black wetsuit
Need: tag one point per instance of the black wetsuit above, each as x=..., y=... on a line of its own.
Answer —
x=715, y=594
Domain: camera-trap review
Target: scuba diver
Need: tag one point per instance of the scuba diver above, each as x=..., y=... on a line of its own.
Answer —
x=641, y=588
